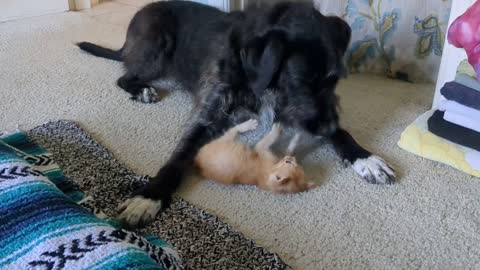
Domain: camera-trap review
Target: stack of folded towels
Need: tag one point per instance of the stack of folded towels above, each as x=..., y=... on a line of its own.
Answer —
x=451, y=133
x=458, y=116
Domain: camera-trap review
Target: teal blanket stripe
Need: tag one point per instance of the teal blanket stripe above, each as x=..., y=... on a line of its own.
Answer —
x=44, y=226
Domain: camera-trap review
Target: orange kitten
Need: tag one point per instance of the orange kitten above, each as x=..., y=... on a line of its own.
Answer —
x=227, y=161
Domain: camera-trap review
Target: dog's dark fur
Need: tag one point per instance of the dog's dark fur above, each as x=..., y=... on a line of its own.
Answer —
x=227, y=61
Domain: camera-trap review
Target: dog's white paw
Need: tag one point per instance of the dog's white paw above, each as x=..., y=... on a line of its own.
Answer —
x=247, y=125
x=138, y=211
x=374, y=170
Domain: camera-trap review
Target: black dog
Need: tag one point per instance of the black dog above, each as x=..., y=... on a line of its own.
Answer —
x=228, y=61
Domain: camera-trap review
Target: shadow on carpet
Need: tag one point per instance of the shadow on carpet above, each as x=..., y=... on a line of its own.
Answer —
x=202, y=240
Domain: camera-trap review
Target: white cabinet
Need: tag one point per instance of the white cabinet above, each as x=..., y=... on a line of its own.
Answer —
x=221, y=4
x=230, y=5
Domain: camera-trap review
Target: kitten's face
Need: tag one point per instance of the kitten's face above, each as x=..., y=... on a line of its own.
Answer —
x=288, y=177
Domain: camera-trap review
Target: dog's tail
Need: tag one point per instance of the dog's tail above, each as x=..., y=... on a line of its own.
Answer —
x=101, y=51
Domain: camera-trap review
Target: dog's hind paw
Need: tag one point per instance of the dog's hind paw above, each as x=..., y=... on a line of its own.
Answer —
x=147, y=95
x=138, y=211
x=374, y=170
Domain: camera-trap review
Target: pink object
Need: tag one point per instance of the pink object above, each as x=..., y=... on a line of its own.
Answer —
x=465, y=33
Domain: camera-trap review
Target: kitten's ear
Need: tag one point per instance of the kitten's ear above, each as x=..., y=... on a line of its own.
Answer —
x=272, y=177
x=279, y=179
x=311, y=185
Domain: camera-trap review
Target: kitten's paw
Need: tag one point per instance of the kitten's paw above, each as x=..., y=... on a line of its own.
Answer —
x=276, y=129
x=247, y=125
x=374, y=170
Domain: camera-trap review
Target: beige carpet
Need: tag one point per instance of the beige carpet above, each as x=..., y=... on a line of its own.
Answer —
x=429, y=220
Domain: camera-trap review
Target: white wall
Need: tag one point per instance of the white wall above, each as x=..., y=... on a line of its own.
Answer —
x=16, y=9
x=451, y=56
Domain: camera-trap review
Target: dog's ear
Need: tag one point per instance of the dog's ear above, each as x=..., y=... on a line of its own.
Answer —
x=340, y=33
x=261, y=59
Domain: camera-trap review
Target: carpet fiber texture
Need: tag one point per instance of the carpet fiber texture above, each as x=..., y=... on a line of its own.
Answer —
x=429, y=219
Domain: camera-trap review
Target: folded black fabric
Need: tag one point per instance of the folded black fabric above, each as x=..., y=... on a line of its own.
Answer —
x=461, y=94
x=452, y=132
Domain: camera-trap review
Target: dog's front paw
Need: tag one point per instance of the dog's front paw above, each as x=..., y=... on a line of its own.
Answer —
x=374, y=170
x=138, y=211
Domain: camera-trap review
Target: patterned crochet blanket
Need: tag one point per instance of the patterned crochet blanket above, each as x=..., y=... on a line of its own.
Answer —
x=47, y=223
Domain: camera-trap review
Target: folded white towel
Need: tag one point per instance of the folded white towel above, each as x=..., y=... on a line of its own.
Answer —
x=455, y=107
x=462, y=120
